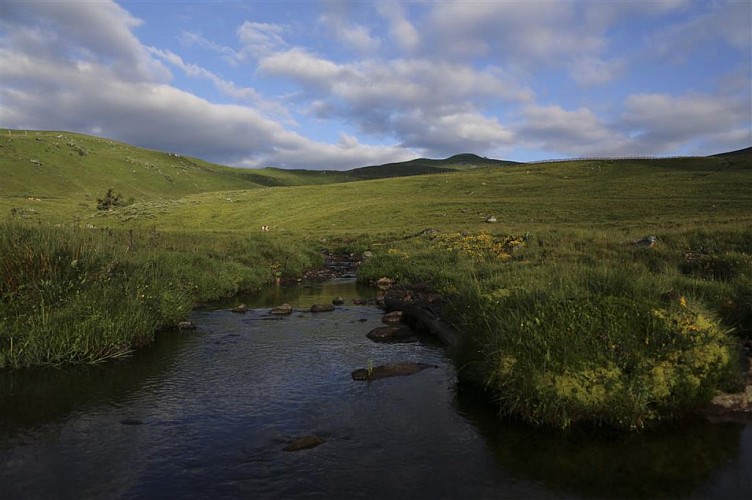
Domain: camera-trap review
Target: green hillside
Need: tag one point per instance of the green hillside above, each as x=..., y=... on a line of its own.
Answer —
x=626, y=195
x=422, y=166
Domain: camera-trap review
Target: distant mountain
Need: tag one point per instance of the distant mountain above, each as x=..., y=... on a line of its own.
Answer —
x=738, y=152
x=423, y=166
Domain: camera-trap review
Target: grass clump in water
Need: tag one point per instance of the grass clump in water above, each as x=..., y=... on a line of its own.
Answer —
x=577, y=327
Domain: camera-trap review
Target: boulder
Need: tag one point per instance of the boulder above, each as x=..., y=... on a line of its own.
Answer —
x=186, y=325
x=241, y=309
x=392, y=318
x=360, y=302
x=367, y=254
x=282, y=310
x=393, y=333
x=338, y=301
x=318, y=308
x=391, y=370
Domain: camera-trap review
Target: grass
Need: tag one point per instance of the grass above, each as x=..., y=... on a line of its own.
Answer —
x=565, y=319
x=566, y=327
x=73, y=295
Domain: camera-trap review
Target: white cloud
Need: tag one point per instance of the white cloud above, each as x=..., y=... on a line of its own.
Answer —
x=576, y=133
x=350, y=35
x=589, y=71
x=400, y=28
x=523, y=33
x=728, y=22
x=661, y=122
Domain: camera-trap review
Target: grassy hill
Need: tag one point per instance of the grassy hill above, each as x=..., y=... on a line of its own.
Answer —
x=422, y=166
x=622, y=195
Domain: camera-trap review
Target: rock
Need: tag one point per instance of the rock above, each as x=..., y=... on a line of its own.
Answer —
x=647, y=241
x=338, y=301
x=318, y=308
x=360, y=302
x=491, y=219
x=304, y=443
x=384, y=283
x=391, y=370
x=393, y=333
x=242, y=308
x=367, y=254
x=392, y=318
x=186, y=325
x=282, y=310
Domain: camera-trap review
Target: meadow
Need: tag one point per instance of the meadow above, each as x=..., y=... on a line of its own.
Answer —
x=565, y=316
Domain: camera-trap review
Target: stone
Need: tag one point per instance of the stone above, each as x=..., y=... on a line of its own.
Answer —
x=338, y=301
x=647, y=241
x=318, y=308
x=391, y=370
x=241, y=309
x=282, y=310
x=360, y=302
x=491, y=219
x=384, y=283
x=367, y=254
x=393, y=333
x=186, y=325
x=392, y=318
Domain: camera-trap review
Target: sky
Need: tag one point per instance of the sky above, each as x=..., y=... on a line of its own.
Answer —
x=345, y=84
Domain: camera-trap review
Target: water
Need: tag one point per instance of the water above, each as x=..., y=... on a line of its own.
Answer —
x=207, y=414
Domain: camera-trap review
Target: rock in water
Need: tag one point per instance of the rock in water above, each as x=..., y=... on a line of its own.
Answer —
x=304, y=443
x=394, y=333
x=392, y=318
x=392, y=370
x=282, y=310
x=319, y=308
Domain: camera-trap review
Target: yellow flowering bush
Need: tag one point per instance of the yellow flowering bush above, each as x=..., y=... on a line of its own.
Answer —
x=481, y=246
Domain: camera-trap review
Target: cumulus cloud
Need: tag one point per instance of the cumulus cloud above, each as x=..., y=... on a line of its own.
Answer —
x=101, y=79
x=401, y=29
x=352, y=36
x=661, y=122
x=522, y=33
x=577, y=133
x=728, y=22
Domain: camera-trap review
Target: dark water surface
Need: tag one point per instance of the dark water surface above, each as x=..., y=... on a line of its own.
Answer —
x=207, y=414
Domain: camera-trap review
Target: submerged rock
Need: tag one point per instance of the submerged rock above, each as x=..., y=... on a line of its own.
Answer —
x=391, y=370
x=242, y=308
x=304, y=443
x=186, y=325
x=393, y=333
x=318, y=308
x=282, y=310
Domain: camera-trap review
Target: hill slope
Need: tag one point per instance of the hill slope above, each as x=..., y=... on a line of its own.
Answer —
x=626, y=195
x=422, y=166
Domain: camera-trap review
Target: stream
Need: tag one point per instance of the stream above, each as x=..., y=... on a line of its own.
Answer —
x=208, y=413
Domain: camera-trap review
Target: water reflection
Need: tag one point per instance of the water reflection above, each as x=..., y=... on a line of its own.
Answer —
x=207, y=414
x=674, y=461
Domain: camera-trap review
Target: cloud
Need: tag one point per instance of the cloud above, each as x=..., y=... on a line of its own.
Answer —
x=728, y=22
x=522, y=33
x=589, y=71
x=420, y=101
x=87, y=87
x=352, y=36
x=661, y=122
x=577, y=133
x=401, y=29
x=97, y=33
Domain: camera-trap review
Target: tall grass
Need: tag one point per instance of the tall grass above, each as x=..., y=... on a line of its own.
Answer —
x=580, y=326
x=72, y=295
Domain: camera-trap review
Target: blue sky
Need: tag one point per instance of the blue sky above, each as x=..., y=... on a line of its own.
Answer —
x=344, y=84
